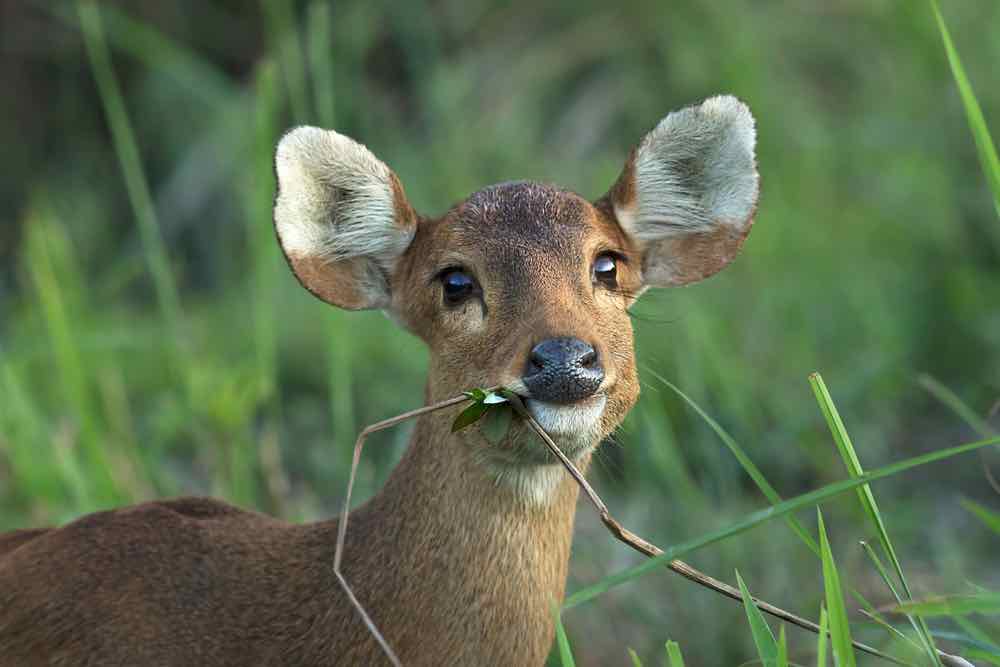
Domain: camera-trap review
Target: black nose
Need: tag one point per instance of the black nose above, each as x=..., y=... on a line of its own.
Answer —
x=563, y=370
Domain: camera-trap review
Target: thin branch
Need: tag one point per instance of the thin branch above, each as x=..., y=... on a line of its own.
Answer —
x=680, y=567
x=620, y=532
x=372, y=628
x=345, y=511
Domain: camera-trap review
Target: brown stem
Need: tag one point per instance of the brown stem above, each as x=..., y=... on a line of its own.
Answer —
x=619, y=531
x=342, y=527
x=680, y=567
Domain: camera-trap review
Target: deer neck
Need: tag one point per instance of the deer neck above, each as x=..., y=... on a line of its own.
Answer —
x=474, y=561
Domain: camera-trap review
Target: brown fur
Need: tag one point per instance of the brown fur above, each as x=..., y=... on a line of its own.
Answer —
x=448, y=580
x=336, y=283
x=197, y=582
x=454, y=565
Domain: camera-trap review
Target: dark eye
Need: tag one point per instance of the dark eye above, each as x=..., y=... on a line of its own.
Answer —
x=458, y=286
x=606, y=270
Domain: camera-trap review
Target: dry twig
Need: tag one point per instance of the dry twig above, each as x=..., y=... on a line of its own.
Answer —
x=342, y=527
x=626, y=536
x=620, y=532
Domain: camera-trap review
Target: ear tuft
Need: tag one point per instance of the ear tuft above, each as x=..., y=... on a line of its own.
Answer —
x=691, y=185
x=341, y=217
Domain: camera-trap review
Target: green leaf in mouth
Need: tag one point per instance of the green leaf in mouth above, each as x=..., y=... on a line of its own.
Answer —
x=469, y=416
x=496, y=423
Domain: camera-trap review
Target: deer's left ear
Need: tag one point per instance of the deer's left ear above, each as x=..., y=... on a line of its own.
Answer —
x=688, y=192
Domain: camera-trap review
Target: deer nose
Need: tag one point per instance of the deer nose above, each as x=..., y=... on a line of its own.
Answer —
x=563, y=370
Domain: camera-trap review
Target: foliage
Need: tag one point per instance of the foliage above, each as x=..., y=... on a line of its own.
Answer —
x=152, y=342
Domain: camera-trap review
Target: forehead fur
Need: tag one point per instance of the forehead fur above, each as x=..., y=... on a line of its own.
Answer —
x=521, y=217
x=524, y=209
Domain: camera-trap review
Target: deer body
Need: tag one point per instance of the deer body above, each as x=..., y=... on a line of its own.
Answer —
x=198, y=582
x=460, y=558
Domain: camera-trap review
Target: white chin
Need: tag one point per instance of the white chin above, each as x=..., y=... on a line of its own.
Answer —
x=576, y=424
x=576, y=429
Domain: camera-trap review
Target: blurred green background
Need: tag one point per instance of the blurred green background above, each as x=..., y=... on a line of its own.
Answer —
x=153, y=342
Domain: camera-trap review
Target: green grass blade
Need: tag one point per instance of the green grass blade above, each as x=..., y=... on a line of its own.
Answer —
x=263, y=259
x=636, y=662
x=763, y=638
x=318, y=23
x=744, y=460
x=867, y=498
x=977, y=122
x=755, y=474
x=754, y=519
x=782, y=657
x=280, y=21
x=880, y=567
x=840, y=632
x=850, y=458
x=953, y=605
x=988, y=517
x=978, y=634
x=821, y=640
x=957, y=405
x=674, y=657
x=891, y=629
x=986, y=656
x=51, y=269
x=887, y=580
x=157, y=51
x=565, y=652
x=979, y=644
x=23, y=429
x=127, y=150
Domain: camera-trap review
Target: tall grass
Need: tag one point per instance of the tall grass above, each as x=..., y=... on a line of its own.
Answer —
x=132, y=172
x=153, y=343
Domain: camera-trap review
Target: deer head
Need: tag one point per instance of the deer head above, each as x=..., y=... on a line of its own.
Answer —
x=524, y=284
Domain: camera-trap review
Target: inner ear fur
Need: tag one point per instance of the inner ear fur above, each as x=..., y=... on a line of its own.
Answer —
x=341, y=217
x=689, y=190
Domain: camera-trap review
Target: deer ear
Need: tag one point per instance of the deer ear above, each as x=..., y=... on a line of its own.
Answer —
x=688, y=192
x=341, y=217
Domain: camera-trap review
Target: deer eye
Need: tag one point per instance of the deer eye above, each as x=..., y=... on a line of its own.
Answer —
x=458, y=286
x=606, y=270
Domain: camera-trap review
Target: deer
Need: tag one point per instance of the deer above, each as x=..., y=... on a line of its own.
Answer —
x=462, y=554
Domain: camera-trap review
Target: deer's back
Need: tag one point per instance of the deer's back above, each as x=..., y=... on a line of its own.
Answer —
x=184, y=582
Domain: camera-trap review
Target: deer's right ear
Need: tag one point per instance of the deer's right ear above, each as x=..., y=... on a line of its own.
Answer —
x=341, y=217
x=689, y=191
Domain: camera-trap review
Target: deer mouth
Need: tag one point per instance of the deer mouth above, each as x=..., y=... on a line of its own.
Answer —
x=573, y=421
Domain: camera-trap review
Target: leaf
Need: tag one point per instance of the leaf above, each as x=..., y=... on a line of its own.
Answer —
x=987, y=656
x=745, y=462
x=494, y=398
x=978, y=634
x=782, y=648
x=824, y=630
x=867, y=498
x=763, y=638
x=496, y=424
x=840, y=631
x=476, y=394
x=974, y=114
x=636, y=662
x=565, y=652
x=468, y=416
x=952, y=605
x=988, y=517
x=674, y=657
x=956, y=404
